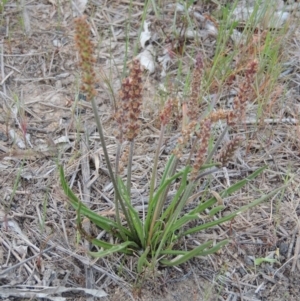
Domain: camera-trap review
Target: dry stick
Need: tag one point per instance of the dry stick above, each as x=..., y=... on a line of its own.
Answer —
x=297, y=257
x=85, y=167
x=296, y=253
x=29, y=270
x=85, y=261
x=289, y=253
x=239, y=287
x=26, y=54
x=6, y=77
x=133, y=2
x=2, y=66
x=26, y=21
x=24, y=261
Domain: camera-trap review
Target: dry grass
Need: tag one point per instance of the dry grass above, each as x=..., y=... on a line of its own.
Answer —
x=39, y=95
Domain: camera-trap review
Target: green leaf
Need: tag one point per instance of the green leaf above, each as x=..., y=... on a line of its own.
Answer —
x=171, y=208
x=243, y=182
x=100, y=243
x=157, y=204
x=143, y=260
x=102, y=222
x=167, y=233
x=198, y=251
x=216, y=248
x=136, y=221
x=116, y=248
x=216, y=210
x=184, y=220
x=232, y=215
x=209, y=203
x=258, y=261
x=209, y=224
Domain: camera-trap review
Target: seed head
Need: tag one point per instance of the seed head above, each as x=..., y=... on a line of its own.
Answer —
x=129, y=104
x=85, y=48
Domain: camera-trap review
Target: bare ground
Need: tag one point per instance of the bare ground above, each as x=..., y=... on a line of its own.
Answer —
x=40, y=91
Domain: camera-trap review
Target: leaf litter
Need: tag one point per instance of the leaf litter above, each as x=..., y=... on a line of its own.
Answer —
x=39, y=74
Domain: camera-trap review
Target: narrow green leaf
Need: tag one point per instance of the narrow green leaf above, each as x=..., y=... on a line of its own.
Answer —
x=171, y=208
x=153, y=202
x=101, y=243
x=154, y=216
x=209, y=203
x=187, y=255
x=198, y=251
x=237, y=186
x=169, y=223
x=216, y=248
x=116, y=248
x=173, y=252
x=105, y=245
x=209, y=224
x=102, y=222
x=184, y=220
x=232, y=215
x=258, y=261
x=216, y=210
x=136, y=221
x=142, y=260
x=243, y=182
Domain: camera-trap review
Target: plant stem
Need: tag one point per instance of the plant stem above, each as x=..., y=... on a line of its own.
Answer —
x=116, y=174
x=154, y=170
x=217, y=144
x=129, y=167
x=160, y=202
x=113, y=179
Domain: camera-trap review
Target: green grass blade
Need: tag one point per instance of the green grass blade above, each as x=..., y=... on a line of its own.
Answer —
x=100, y=243
x=187, y=255
x=153, y=202
x=115, y=249
x=173, y=216
x=237, y=186
x=167, y=233
x=154, y=216
x=143, y=260
x=216, y=248
x=232, y=215
x=216, y=210
x=198, y=251
x=171, y=208
x=102, y=222
x=136, y=221
x=105, y=245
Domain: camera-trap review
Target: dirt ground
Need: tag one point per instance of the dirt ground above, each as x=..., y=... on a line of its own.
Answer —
x=40, y=96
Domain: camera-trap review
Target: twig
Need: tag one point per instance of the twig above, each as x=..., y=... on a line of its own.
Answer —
x=28, y=269
x=6, y=77
x=26, y=260
x=2, y=66
x=296, y=253
x=289, y=253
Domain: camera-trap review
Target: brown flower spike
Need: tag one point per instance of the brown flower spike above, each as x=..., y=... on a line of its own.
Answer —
x=203, y=137
x=85, y=48
x=129, y=104
x=245, y=91
x=228, y=150
x=193, y=103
